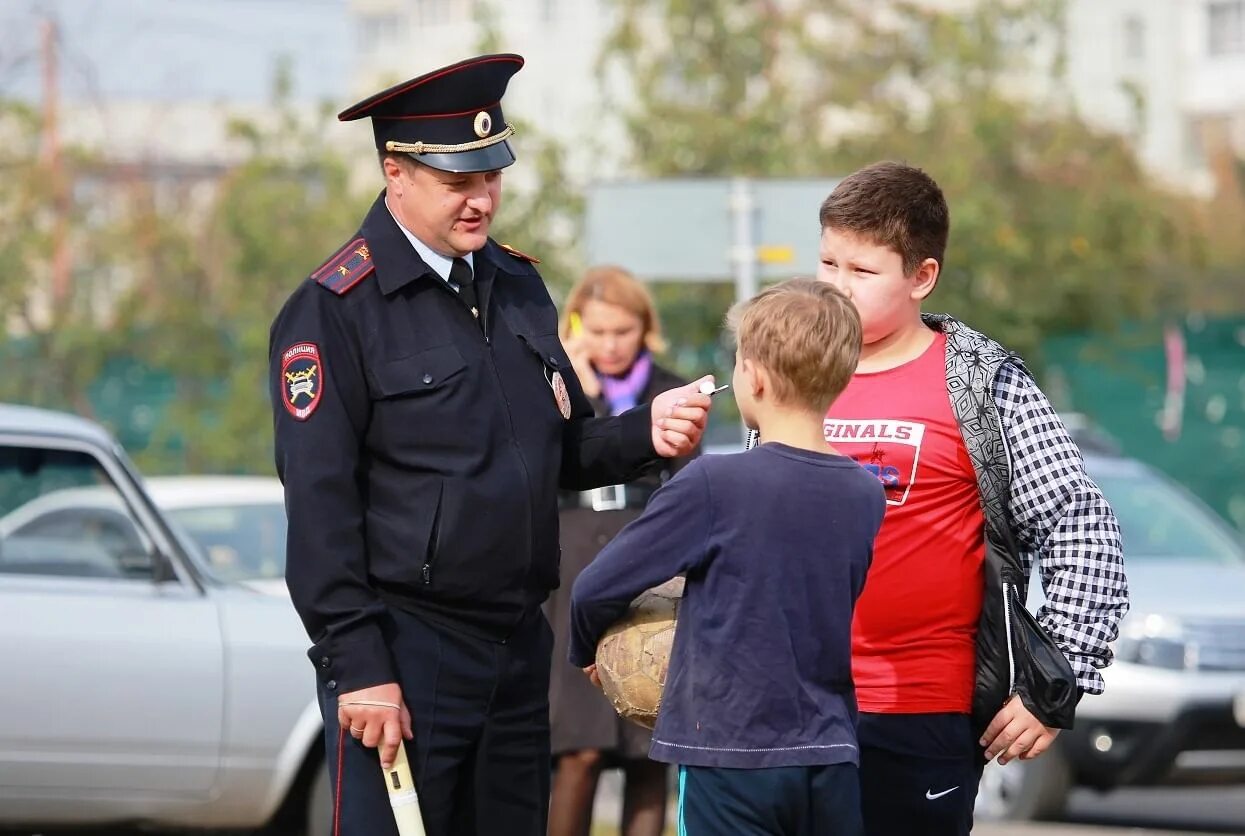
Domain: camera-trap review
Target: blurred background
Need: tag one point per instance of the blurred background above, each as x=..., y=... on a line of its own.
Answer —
x=170, y=171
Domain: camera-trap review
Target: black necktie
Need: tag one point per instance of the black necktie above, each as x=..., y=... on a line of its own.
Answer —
x=460, y=275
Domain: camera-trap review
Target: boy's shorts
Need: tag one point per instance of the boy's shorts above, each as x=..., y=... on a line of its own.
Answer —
x=918, y=773
x=778, y=801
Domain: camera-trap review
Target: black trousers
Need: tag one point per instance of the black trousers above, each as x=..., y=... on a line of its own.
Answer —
x=918, y=774
x=778, y=801
x=480, y=757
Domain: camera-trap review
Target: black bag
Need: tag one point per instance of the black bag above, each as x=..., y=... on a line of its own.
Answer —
x=1013, y=651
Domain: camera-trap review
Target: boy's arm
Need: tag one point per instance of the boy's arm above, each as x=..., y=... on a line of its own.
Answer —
x=671, y=537
x=1062, y=519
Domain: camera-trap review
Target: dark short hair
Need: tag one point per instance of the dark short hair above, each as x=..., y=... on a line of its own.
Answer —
x=895, y=205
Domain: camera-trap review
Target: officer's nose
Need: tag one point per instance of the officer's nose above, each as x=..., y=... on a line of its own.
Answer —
x=481, y=201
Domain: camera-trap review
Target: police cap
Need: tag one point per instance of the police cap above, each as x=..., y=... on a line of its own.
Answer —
x=449, y=119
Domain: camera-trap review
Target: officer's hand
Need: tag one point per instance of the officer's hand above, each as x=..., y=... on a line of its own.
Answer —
x=1016, y=733
x=679, y=417
x=376, y=716
x=592, y=674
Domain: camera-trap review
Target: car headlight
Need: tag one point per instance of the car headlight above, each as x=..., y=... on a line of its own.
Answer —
x=1156, y=641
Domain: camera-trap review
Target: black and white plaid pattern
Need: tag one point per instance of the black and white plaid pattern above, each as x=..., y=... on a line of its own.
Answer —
x=1061, y=519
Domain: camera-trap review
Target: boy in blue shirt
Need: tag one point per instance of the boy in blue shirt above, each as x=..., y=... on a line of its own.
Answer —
x=759, y=709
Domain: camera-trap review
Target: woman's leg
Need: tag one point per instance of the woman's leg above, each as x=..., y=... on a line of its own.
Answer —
x=574, y=790
x=644, y=798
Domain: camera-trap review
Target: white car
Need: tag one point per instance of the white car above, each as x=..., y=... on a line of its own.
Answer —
x=239, y=522
x=1174, y=708
x=149, y=686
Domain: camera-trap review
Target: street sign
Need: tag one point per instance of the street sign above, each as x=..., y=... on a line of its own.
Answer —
x=707, y=229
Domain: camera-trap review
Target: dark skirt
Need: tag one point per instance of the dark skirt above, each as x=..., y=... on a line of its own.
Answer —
x=579, y=714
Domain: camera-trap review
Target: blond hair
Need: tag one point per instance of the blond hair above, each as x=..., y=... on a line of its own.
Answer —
x=806, y=334
x=615, y=286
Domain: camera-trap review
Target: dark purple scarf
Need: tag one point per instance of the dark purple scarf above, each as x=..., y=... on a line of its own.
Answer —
x=623, y=392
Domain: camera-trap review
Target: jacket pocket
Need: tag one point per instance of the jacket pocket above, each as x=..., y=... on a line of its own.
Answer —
x=426, y=371
x=1044, y=678
x=434, y=537
x=1014, y=653
x=548, y=349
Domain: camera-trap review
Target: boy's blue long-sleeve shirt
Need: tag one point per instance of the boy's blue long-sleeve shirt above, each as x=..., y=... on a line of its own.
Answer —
x=775, y=544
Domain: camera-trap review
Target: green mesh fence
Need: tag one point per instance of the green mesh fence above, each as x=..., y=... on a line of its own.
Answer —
x=1121, y=382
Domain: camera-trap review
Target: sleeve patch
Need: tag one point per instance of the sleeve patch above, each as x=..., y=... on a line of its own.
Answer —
x=302, y=379
x=347, y=268
x=519, y=254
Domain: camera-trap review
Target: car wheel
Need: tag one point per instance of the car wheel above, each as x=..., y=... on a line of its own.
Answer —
x=1025, y=790
x=320, y=804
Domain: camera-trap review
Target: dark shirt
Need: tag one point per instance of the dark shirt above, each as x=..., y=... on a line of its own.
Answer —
x=775, y=544
x=427, y=474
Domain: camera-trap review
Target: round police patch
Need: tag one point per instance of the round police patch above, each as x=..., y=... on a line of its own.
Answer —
x=302, y=379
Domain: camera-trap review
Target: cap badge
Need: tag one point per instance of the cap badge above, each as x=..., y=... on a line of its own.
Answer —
x=483, y=124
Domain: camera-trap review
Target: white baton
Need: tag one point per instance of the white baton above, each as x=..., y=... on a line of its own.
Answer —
x=402, y=797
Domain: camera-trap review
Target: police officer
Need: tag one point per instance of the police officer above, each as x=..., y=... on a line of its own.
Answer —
x=426, y=416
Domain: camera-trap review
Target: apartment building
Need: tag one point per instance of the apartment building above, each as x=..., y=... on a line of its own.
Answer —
x=1168, y=74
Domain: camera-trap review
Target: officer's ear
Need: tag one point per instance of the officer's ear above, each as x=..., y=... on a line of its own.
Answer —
x=395, y=165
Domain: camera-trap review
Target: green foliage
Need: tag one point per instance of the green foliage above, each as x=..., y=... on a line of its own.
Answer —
x=57, y=345
x=1054, y=226
x=275, y=218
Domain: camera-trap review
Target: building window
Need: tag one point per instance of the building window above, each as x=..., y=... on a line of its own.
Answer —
x=1225, y=27
x=376, y=31
x=434, y=12
x=1134, y=38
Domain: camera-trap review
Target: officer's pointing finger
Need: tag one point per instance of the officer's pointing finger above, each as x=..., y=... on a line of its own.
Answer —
x=392, y=737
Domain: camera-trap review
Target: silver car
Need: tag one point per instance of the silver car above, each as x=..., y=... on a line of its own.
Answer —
x=1174, y=707
x=149, y=688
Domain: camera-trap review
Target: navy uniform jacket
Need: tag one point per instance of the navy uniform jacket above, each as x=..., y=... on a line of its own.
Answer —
x=422, y=455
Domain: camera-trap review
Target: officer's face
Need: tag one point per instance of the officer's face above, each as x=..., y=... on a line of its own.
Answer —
x=873, y=277
x=449, y=212
x=614, y=336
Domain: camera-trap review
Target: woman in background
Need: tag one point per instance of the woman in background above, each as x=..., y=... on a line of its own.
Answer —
x=611, y=331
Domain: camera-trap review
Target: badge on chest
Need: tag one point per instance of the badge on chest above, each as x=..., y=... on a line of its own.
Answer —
x=560, y=394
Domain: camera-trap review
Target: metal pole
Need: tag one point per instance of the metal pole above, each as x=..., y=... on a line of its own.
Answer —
x=743, y=248
x=743, y=244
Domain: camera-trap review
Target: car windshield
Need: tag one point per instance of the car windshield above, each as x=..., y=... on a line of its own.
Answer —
x=240, y=542
x=1158, y=520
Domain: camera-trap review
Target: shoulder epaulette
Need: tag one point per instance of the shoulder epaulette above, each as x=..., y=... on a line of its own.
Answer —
x=519, y=254
x=349, y=266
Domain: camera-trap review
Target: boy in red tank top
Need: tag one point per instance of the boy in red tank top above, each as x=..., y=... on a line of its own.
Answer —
x=952, y=453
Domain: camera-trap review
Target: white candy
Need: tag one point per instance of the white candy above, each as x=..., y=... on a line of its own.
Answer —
x=707, y=387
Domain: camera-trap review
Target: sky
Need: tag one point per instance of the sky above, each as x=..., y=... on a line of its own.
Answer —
x=171, y=49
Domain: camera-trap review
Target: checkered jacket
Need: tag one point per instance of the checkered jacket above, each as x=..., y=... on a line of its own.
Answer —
x=1032, y=480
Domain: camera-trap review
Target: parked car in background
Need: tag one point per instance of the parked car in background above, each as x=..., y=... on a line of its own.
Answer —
x=150, y=685
x=238, y=521
x=1174, y=707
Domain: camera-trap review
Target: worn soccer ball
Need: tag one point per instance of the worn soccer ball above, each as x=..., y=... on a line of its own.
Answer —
x=634, y=654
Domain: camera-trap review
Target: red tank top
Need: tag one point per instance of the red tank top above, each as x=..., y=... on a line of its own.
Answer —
x=916, y=621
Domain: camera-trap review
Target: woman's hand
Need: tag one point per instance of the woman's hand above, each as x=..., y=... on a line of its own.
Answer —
x=577, y=350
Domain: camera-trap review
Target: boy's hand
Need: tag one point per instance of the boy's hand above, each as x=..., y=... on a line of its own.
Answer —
x=679, y=417
x=591, y=672
x=1016, y=733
